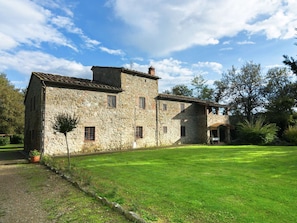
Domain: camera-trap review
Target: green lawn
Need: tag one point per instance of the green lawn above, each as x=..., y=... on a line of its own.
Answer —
x=11, y=147
x=199, y=183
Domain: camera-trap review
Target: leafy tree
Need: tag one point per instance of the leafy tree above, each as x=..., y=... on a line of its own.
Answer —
x=182, y=89
x=291, y=62
x=65, y=123
x=11, y=108
x=242, y=90
x=279, y=93
x=202, y=91
x=257, y=132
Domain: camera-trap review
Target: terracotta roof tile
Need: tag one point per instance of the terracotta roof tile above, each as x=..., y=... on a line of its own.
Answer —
x=74, y=82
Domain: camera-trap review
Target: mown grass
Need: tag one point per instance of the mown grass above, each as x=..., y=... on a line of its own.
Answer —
x=11, y=147
x=199, y=183
x=61, y=201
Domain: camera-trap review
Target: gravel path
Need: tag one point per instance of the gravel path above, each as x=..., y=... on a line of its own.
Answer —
x=17, y=203
x=30, y=193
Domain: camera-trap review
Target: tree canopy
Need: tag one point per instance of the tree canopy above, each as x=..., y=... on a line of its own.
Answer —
x=11, y=108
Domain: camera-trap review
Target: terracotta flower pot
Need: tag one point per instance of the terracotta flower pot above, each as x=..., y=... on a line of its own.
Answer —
x=35, y=159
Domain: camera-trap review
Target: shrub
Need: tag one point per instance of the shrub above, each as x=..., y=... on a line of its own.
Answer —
x=257, y=132
x=4, y=141
x=17, y=139
x=290, y=135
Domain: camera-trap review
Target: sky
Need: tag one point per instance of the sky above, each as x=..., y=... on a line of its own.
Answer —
x=180, y=38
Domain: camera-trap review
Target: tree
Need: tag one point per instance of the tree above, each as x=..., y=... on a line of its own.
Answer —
x=291, y=62
x=65, y=123
x=11, y=108
x=242, y=90
x=182, y=89
x=202, y=91
x=279, y=93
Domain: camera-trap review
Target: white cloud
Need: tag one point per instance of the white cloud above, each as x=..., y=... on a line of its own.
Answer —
x=27, y=61
x=161, y=27
x=214, y=66
x=24, y=22
x=245, y=42
x=174, y=72
x=111, y=51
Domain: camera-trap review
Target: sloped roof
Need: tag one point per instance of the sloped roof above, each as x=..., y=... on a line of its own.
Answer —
x=180, y=98
x=79, y=83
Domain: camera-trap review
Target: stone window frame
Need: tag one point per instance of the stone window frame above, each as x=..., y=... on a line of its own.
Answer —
x=164, y=107
x=165, y=129
x=139, y=132
x=142, y=103
x=90, y=133
x=111, y=101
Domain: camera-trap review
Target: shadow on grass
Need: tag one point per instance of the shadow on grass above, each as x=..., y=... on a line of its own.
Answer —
x=11, y=153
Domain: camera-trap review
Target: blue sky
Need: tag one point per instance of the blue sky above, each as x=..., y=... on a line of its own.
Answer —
x=180, y=38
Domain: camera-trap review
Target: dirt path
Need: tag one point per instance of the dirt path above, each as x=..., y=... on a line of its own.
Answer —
x=17, y=203
x=32, y=193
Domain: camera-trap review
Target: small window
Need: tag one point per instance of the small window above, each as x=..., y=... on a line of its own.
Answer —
x=111, y=101
x=183, y=131
x=182, y=107
x=164, y=107
x=142, y=102
x=90, y=133
x=139, y=132
x=164, y=129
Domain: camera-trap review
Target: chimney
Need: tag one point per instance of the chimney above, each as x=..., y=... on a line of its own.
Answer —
x=151, y=71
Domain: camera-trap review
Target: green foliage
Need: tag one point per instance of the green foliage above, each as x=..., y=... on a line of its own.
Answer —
x=291, y=134
x=34, y=152
x=4, y=141
x=257, y=132
x=11, y=108
x=242, y=88
x=201, y=89
x=17, y=139
x=65, y=123
x=182, y=90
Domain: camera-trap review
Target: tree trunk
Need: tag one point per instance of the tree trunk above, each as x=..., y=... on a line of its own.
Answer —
x=68, y=153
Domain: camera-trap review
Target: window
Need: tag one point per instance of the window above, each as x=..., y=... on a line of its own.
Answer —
x=164, y=129
x=90, y=133
x=182, y=107
x=111, y=101
x=183, y=131
x=142, y=102
x=164, y=107
x=139, y=132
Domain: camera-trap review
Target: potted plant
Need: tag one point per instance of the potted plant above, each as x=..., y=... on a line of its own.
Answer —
x=34, y=156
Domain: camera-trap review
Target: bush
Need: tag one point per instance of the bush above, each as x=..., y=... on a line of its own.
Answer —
x=290, y=135
x=17, y=139
x=4, y=141
x=257, y=132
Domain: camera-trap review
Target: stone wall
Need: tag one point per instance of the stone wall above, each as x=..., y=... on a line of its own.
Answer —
x=33, y=115
x=114, y=127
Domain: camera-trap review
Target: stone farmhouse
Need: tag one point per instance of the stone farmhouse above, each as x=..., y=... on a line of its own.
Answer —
x=118, y=109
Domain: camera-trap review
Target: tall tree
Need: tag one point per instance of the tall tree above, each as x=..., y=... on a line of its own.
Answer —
x=242, y=89
x=182, y=89
x=65, y=123
x=11, y=108
x=279, y=93
x=201, y=89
